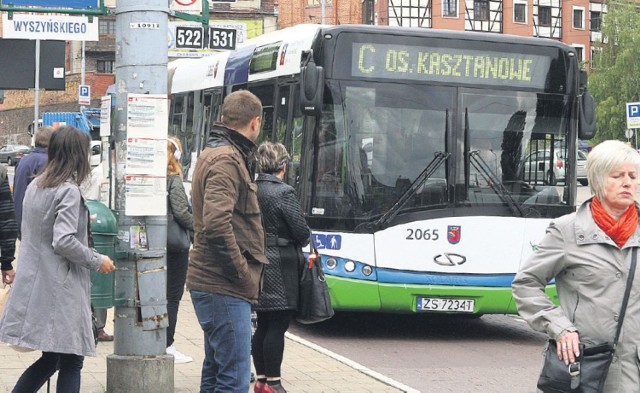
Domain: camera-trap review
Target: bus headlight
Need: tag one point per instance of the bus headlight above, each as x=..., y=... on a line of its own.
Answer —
x=332, y=263
x=350, y=266
x=367, y=270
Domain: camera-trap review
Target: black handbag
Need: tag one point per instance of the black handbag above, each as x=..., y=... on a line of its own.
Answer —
x=314, y=301
x=589, y=372
x=178, y=238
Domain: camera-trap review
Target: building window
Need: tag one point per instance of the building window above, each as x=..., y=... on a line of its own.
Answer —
x=450, y=8
x=410, y=13
x=520, y=12
x=107, y=26
x=595, y=21
x=544, y=16
x=367, y=12
x=481, y=10
x=105, y=66
x=578, y=18
x=580, y=52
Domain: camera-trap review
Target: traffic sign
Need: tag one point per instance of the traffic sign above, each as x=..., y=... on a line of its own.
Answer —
x=628, y=133
x=84, y=95
x=220, y=38
x=49, y=27
x=633, y=115
x=189, y=37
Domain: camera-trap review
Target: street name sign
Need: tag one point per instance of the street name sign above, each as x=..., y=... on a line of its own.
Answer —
x=50, y=27
x=633, y=115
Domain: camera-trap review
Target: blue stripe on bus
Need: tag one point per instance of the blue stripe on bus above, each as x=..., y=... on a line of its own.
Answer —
x=464, y=280
x=237, y=67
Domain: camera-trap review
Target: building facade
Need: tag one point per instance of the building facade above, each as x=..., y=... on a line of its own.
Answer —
x=576, y=22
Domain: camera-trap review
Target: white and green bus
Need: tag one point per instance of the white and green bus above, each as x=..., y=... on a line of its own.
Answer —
x=426, y=161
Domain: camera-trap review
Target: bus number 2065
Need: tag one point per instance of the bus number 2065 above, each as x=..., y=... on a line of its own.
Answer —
x=422, y=234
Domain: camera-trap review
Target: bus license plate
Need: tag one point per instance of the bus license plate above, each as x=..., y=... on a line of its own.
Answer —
x=445, y=304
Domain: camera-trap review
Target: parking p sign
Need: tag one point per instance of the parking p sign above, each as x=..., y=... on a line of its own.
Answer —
x=633, y=115
x=84, y=95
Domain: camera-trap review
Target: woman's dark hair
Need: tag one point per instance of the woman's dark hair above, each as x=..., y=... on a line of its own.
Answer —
x=68, y=158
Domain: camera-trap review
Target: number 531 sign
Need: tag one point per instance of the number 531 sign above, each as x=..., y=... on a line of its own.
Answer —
x=188, y=37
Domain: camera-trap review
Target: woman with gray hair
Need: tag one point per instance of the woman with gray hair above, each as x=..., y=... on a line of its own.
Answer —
x=589, y=254
x=286, y=232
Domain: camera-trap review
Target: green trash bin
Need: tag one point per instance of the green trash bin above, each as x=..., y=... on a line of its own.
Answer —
x=104, y=230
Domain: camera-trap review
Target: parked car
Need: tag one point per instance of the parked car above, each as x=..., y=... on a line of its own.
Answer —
x=581, y=168
x=539, y=167
x=11, y=154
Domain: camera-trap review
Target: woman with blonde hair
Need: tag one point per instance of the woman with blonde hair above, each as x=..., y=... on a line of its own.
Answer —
x=177, y=259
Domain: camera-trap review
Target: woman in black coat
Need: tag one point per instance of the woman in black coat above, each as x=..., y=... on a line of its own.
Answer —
x=286, y=233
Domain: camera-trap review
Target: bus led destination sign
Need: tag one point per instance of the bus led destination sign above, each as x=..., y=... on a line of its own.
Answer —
x=451, y=65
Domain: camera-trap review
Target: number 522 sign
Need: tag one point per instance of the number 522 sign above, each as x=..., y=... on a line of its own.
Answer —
x=188, y=37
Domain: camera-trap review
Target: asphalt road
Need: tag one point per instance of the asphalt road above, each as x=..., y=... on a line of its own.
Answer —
x=438, y=353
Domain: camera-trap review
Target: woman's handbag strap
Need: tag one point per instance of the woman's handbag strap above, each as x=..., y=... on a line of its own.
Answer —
x=627, y=291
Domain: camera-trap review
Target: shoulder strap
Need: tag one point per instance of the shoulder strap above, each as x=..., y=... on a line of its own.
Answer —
x=627, y=291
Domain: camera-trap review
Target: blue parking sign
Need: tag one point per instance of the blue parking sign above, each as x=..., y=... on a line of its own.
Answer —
x=84, y=95
x=633, y=115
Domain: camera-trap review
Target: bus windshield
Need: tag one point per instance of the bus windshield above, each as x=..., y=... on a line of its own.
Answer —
x=374, y=139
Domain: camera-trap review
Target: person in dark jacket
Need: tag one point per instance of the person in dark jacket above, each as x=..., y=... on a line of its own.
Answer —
x=177, y=260
x=227, y=259
x=28, y=167
x=286, y=232
x=8, y=229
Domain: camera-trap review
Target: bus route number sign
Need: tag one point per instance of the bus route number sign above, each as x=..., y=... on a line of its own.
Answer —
x=220, y=38
x=189, y=37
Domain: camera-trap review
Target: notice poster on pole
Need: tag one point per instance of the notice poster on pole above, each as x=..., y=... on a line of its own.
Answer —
x=146, y=165
x=105, y=116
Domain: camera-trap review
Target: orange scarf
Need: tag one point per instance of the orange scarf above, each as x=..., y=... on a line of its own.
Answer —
x=620, y=231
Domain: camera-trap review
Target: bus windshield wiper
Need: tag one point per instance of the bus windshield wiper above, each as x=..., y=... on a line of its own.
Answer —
x=492, y=180
x=438, y=159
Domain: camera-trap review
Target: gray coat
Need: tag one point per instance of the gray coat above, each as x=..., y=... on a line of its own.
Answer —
x=49, y=306
x=590, y=272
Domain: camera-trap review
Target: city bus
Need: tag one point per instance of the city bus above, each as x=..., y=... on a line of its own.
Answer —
x=428, y=163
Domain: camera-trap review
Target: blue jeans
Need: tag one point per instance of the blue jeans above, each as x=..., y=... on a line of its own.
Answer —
x=226, y=322
x=38, y=373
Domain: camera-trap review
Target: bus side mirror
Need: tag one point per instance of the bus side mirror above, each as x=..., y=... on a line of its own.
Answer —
x=587, y=117
x=311, y=88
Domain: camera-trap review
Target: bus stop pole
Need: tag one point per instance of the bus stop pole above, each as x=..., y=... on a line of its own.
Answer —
x=139, y=362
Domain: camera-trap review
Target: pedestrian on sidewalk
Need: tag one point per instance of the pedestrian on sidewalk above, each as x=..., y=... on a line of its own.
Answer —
x=227, y=259
x=8, y=229
x=589, y=253
x=286, y=232
x=177, y=260
x=49, y=306
x=29, y=167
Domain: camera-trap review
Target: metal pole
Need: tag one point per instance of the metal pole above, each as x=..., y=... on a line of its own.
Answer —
x=36, y=101
x=82, y=69
x=139, y=362
x=324, y=5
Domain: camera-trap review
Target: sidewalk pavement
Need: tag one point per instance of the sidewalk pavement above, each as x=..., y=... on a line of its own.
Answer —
x=306, y=367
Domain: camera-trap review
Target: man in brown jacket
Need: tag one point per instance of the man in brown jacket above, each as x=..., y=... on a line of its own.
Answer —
x=227, y=259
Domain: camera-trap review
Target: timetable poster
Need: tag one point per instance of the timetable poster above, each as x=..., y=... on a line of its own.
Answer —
x=146, y=165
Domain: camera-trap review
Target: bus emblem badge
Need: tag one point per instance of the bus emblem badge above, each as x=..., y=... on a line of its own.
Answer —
x=454, y=233
x=449, y=259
